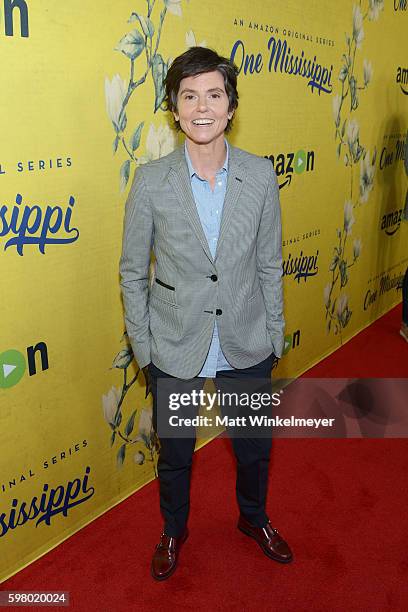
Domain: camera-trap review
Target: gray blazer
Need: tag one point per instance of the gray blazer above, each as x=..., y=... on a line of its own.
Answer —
x=171, y=320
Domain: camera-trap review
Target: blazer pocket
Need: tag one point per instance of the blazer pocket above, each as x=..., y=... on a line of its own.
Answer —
x=159, y=301
x=159, y=282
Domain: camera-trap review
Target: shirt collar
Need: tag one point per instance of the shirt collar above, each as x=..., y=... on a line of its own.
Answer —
x=191, y=170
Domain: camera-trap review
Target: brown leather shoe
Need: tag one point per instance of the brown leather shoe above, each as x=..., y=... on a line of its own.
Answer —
x=268, y=538
x=165, y=557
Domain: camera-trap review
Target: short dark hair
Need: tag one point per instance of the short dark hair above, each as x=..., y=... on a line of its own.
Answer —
x=199, y=60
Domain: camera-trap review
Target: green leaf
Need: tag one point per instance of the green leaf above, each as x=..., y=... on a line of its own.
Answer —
x=345, y=318
x=124, y=174
x=353, y=92
x=135, y=140
x=334, y=263
x=113, y=436
x=120, y=457
x=115, y=144
x=118, y=419
x=338, y=150
x=159, y=71
x=343, y=273
x=145, y=440
x=360, y=151
x=123, y=121
x=145, y=23
x=343, y=129
x=130, y=424
x=343, y=73
x=132, y=44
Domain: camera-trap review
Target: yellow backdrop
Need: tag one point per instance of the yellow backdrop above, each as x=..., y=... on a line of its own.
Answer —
x=323, y=91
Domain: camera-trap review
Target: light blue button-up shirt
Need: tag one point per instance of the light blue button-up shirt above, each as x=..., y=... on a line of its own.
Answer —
x=209, y=207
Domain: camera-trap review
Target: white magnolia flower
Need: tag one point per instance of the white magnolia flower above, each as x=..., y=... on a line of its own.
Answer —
x=336, y=109
x=145, y=422
x=191, y=40
x=342, y=305
x=367, y=72
x=139, y=458
x=352, y=133
x=366, y=177
x=174, y=6
x=348, y=217
x=326, y=294
x=115, y=93
x=358, y=32
x=159, y=142
x=374, y=8
x=357, y=246
x=110, y=403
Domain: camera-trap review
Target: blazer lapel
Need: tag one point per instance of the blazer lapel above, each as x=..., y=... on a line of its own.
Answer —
x=179, y=179
x=236, y=177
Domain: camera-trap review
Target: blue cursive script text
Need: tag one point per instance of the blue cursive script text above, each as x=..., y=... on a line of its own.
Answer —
x=51, y=502
x=35, y=225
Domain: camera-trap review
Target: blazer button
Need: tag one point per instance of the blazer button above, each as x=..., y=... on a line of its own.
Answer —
x=218, y=311
x=214, y=277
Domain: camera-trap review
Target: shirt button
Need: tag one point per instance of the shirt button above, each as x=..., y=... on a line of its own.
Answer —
x=218, y=311
x=214, y=277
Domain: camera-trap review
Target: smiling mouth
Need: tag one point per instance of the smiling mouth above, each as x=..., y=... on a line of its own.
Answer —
x=203, y=121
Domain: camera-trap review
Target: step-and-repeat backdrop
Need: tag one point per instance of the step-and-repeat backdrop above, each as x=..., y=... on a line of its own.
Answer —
x=323, y=94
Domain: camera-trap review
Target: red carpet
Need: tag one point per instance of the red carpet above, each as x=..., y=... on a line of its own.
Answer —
x=342, y=505
x=377, y=352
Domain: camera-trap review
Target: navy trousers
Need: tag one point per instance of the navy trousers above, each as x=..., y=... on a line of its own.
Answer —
x=176, y=455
